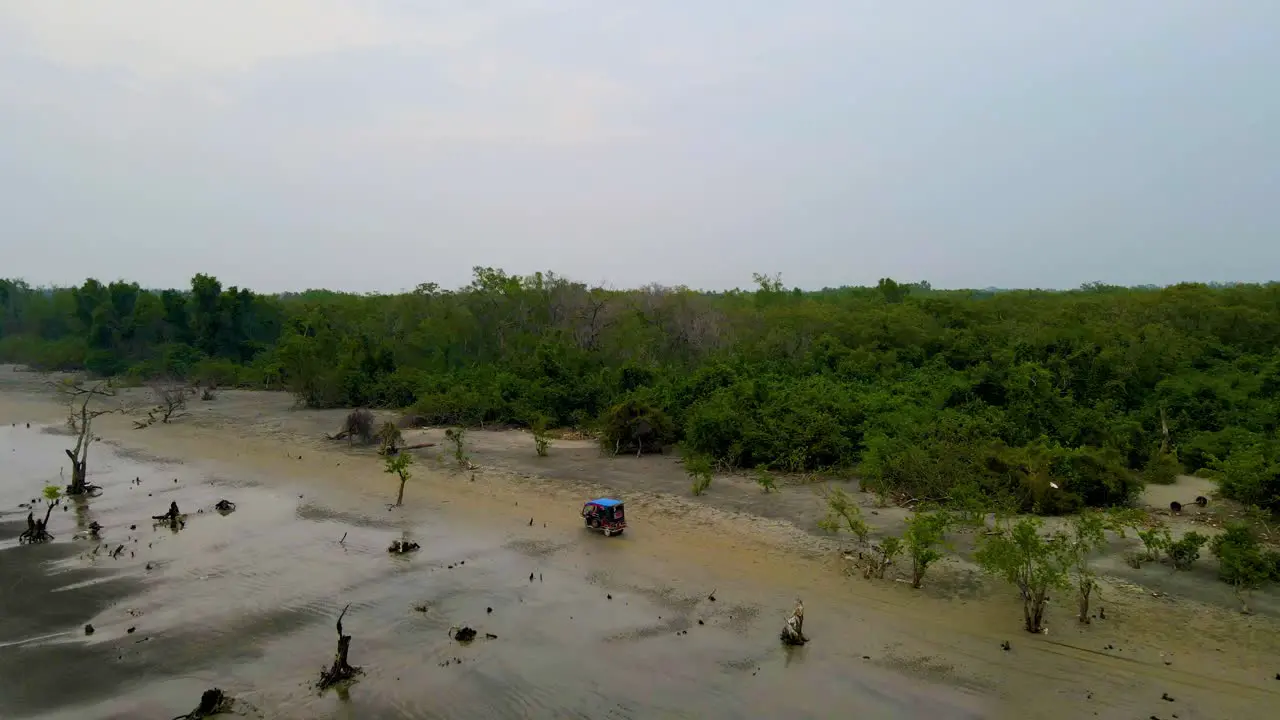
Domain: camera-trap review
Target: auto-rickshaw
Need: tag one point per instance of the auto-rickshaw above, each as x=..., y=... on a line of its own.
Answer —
x=605, y=515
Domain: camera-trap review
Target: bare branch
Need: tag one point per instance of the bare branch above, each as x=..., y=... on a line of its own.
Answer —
x=78, y=387
x=80, y=419
x=172, y=399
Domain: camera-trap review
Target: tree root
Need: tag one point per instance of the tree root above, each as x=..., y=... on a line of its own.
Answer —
x=341, y=670
x=37, y=530
x=88, y=490
x=212, y=702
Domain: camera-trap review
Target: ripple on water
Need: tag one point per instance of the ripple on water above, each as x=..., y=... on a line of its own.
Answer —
x=314, y=512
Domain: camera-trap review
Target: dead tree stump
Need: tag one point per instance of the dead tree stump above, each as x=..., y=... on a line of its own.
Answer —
x=341, y=670
x=400, y=547
x=212, y=702
x=173, y=517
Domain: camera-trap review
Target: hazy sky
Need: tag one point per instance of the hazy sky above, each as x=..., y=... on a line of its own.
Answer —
x=285, y=144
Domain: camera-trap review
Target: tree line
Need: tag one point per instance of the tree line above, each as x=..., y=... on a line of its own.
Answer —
x=1041, y=400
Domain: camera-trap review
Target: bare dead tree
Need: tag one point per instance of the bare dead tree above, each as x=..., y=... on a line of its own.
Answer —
x=79, y=395
x=171, y=401
x=358, y=425
x=594, y=317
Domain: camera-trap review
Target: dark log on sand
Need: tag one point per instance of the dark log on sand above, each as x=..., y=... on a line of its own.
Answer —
x=341, y=670
x=400, y=547
x=416, y=446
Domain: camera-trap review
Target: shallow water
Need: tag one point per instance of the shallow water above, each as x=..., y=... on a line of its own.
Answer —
x=247, y=602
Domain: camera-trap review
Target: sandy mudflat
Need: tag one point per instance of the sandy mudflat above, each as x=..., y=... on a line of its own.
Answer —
x=247, y=601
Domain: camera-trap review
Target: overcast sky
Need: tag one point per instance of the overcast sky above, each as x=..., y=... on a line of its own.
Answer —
x=374, y=145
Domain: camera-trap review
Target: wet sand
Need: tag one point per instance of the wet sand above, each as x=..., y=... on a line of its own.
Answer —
x=247, y=601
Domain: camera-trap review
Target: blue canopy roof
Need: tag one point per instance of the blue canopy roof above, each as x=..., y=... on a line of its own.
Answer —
x=605, y=502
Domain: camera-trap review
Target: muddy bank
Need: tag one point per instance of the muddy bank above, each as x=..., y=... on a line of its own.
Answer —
x=257, y=599
x=247, y=601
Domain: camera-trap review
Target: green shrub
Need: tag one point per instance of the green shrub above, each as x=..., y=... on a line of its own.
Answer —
x=541, y=441
x=926, y=533
x=635, y=426
x=1251, y=474
x=1154, y=540
x=1020, y=555
x=1186, y=550
x=1162, y=468
x=459, y=405
x=1242, y=562
x=217, y=371
x=844, y=514
x=699, y=469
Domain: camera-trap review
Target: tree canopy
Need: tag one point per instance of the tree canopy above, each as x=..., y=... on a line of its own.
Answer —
x=936, y=394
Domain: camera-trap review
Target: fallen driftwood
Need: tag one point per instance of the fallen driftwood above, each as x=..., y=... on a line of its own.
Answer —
x=212, y=702
x=341, y=670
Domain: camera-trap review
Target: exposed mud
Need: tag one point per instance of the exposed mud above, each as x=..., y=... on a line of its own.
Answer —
x=585, y=626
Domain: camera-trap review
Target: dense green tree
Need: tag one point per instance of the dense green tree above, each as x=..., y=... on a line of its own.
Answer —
x=1041, y=400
